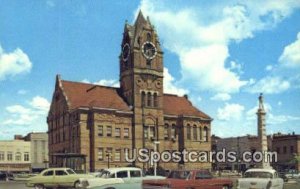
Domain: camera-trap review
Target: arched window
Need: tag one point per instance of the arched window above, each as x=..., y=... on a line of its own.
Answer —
x=155, y=100
x=195, y=132
x=166, y=132
x=143, y=99
x=200, y=133
x=149, y=99
x=188, y=132
x=205, y=134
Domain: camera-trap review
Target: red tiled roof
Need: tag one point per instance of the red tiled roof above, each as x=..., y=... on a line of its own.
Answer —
x=175, y=105
x=90, y=95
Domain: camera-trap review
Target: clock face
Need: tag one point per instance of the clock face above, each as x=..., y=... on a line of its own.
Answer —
x=125, y=52
x=149, y=50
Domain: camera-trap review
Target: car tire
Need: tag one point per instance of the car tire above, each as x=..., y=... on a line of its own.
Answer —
x=225, y=187
x=39, y=186
x=76, y=185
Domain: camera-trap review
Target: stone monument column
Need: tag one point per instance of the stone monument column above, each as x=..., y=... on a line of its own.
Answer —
x=262, y=137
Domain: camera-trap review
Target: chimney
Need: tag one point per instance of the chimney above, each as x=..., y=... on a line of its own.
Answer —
x=18, y=137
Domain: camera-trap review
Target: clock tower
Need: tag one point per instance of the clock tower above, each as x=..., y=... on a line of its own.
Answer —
x=141, y=79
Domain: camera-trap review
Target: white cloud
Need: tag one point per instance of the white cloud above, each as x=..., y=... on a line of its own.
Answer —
x=169, y=85
x=280, y=119
x=14, y=63
x=29, y=116
x=270, y=85
x=109, y=82
x=221, y=96
x=230, y=112
x=203, y=36
x=104, y=82
x=291, y=54
x=40, y=103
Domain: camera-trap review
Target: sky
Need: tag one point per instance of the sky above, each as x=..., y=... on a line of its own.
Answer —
x=222, y=54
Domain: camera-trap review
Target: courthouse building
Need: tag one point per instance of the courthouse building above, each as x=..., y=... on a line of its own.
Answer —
x=91, y=126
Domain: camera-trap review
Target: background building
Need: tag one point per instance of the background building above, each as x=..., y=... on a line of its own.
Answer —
x=38, y=151
x=91, y=126
x=287, y=147
x=15, y=156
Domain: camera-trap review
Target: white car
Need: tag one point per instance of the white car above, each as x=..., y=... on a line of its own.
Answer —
x=260, y=178
x=117, y=176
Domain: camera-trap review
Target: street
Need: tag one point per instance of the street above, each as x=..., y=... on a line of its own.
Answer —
x=21, y=185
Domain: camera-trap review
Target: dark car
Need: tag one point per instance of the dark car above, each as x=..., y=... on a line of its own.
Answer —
x=6, y=175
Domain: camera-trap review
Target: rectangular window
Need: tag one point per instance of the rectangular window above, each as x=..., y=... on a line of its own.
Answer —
x=100, y=130
x=26, y=156
x=188, y=132
x=18, y=156
x=278, y=150
x=292, y=149
x=195, y=133
x=108, y=131
x=200, y=134
x=284, y=149
x=166, y=132
x=118, y=155
x=9, y=156
x=117, y=132
x=2, y=156
x=205, y=134
x=100, y=154
x=173, y=132
x=146, y=132
x=109, y=154
x=152, y=132
x=126, y=132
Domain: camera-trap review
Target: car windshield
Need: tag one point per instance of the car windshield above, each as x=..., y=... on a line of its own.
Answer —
x=252, y=174
x=179, y=174
x=70, y=171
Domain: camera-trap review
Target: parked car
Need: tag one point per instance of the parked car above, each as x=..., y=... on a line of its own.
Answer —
x=283, y=176
x=6, y=175
x=23, y=176
x=120, y=186
x=56, y=177
x=260, y=178
x=292, y=174
x=117, y=176
x=197, y=179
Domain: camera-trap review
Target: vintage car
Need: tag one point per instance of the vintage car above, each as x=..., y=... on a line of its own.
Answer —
x=292, y=174
x=260, y=178
x=117, y=176
x=56, y=177
x=197, y=179
x=120, y=186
